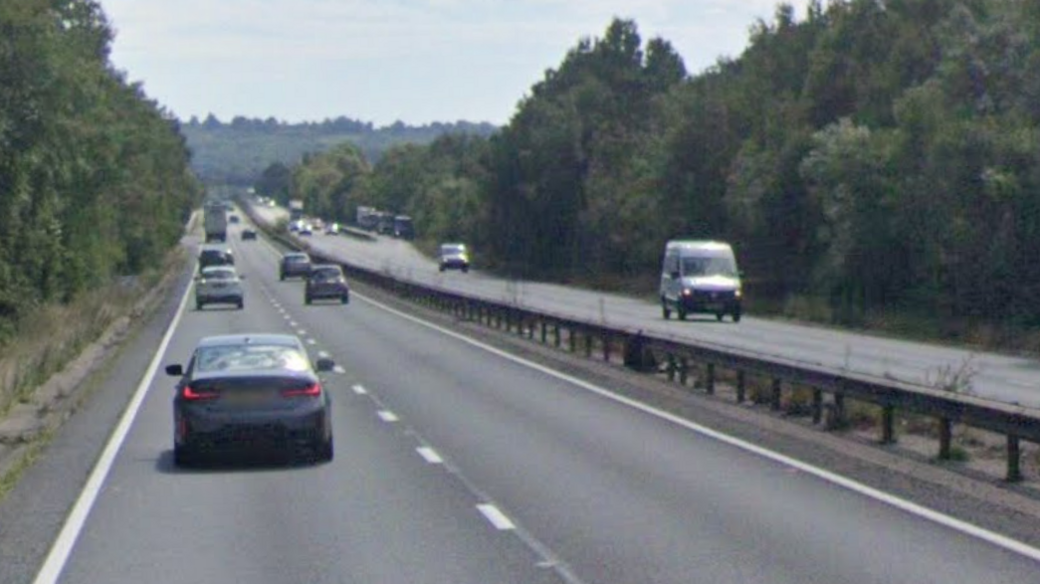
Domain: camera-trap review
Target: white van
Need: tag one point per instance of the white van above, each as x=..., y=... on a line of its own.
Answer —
x=700, y=277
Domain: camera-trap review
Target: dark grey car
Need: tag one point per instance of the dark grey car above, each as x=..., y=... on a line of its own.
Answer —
x=294, y=265
x=250, y=392
x=326, y=282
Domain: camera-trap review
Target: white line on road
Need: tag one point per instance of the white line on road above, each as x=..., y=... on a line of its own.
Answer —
x=430, y=455
x=301, y=332
x=339, y=369
x=62, y=548
x=496, y=517
x=312, y=342
x=388, y=416
x=360, y=390
x=323, y=354
x=293, y=323
x=828, y=476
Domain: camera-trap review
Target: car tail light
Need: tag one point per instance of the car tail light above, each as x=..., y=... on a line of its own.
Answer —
x=191, y=395
x=313, y=390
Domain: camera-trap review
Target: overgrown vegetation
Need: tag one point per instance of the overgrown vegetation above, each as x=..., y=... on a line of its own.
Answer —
x=94, y=177
x=869, y=156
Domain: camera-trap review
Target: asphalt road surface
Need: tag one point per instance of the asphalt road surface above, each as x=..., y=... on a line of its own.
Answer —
x=1003, y=378
x=456, y=464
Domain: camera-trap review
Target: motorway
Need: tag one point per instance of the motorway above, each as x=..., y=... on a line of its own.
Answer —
x=456, y=464
x=1010, y=379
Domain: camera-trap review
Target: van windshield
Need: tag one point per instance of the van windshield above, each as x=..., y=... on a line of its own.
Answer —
x=716, y=266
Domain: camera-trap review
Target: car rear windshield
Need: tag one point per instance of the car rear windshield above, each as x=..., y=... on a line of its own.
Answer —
x=325, y=274
x=297, y=259
x=250, y=358
x=213, y=256
x=218, y=275
x=450, y=249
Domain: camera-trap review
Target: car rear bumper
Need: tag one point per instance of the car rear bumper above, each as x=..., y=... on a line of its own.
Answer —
x=228, y=298
x=319, y=292
x=211, y=432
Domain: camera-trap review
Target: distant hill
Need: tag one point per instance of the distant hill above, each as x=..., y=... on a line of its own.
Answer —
x=238, y=151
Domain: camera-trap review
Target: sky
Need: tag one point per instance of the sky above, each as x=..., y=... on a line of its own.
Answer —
x=380, y=61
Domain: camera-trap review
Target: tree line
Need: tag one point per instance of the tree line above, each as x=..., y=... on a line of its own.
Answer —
x=872, y=154
x=94, y=177
x=235, y=152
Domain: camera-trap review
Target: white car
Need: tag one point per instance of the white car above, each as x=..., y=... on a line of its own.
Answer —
x=219, y=285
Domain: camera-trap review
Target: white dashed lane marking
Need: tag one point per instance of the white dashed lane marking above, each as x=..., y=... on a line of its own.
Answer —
x=360, y=390
x=387, y=416
x=339, y=369
x=430, y=455
x=496, y=517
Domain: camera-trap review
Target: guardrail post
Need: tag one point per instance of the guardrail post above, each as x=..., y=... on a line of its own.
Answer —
x=817, y=406
x=545, y=330
x=572, y=341
x=838, y=417
x=588, y=344
x=777, y=390
x=684, y=370
x=556, y=334
x=741, y=386
x=945, y=439
x=888, y=424
x=606, y=348
x=671, y=367
x=1014, y=459
x=709, y=379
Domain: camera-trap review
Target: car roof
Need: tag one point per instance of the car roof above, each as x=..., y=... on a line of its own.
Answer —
x=215, y=247
x=251, y=338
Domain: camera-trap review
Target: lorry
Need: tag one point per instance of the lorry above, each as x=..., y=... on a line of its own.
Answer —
x=215, y=222
x=367, y=218
x=295, y=210
x=403, y=227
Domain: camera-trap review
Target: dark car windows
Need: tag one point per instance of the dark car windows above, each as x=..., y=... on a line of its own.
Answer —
x=326, y=274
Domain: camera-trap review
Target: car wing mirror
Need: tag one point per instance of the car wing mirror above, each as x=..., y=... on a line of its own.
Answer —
x=176, y=370
x=324, y=365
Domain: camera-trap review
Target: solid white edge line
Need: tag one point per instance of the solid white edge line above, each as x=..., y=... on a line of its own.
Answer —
x=496, y=517
x=429, y=455
x=833, y=478
x=60, y=551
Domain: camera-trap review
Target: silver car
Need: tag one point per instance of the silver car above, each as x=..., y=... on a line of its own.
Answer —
x=219, y=285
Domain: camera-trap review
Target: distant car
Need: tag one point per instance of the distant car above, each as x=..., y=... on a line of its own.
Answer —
x=326, y=281
x=248, y=234
x=219, y=285
x=306, y=229
x=215, y=255
x=233, y=219
x=332, y=229
x=250, y=391
x=294, y=265
x=454, y=256
x=295, y=226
